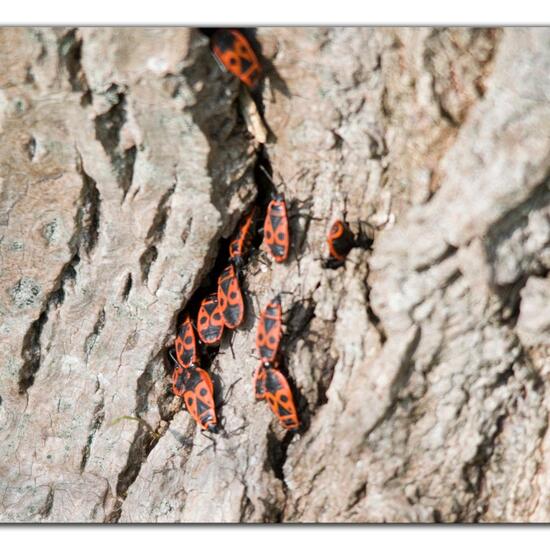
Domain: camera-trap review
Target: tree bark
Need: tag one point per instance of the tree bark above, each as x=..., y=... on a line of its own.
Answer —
x=420, y=366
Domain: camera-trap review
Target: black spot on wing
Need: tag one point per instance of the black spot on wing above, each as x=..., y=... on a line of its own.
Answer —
x=224, y=40
x=272, y=383
x=202, y=406
x=277, y=250
x=225, y=284
x=180, y=382
x=211, y=333
x=281, y=411
x=266, y=353
x=271, y=310
x=187, y=356
x=245, y=64
x=275, y=221
x=232, y=315
x=193, y=379
x=269, y=323
x=210, y=307
x=260, y=386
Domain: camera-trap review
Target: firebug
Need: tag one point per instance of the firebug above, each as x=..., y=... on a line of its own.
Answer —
x=230, y=298
x=194, y=385
x=340, y=241
x=276, y=233
x=210, y=320
x=268, y=335
x=239, y=247
x=270, y=384
x=186, y=344
x=233, y=51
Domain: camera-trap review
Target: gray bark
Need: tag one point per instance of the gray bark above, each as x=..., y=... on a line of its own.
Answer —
x=421, y=366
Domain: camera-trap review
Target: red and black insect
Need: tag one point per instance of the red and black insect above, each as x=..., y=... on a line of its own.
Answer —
x=230, y=299
x=239, y=247
x=270, y=384
x=233, y=51
x=268, y=335
x=186, y=344
x=276, y=232
x=210, y=321
x=340, y=241
x=194, y=385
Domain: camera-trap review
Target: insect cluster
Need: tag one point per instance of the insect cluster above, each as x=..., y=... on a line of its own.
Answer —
x=223, y=308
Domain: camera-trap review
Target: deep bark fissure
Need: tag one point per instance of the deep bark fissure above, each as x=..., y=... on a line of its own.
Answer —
x=91, y=339
x=156, y=230
x=31, y=350
x=84, y=239
x=154, y=236
x=277, y=453
x=98, y=417
x=357, y=496
x=142, y=444
x=127, y=287
x=146, y=261
x=88, y=214
x=46, y=509
x=108, y=127
x=276, y=450
x=449, y=252
x=70, y=54
x=146, y=437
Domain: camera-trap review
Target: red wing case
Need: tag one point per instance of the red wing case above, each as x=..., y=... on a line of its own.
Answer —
x=269, y=333
x=234, y=52
x=258, y=382
x=195, y=386
x=340, y=241
x=239, y=247
x=271, y=385
x=178, y=381
x=230, y=299
x=276, y=234
x=210, y=321
x=186, y=344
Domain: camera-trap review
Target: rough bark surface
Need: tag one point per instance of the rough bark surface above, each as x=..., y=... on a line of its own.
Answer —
x=421, y=366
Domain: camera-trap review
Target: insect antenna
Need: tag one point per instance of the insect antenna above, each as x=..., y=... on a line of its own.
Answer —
x=267, y=174
x=236, y=431
x=269, y=177
x=141, y=421
x=225, y=398
x=181, y=439
x=231, y=346
x=204, y=433
x=171, y=354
